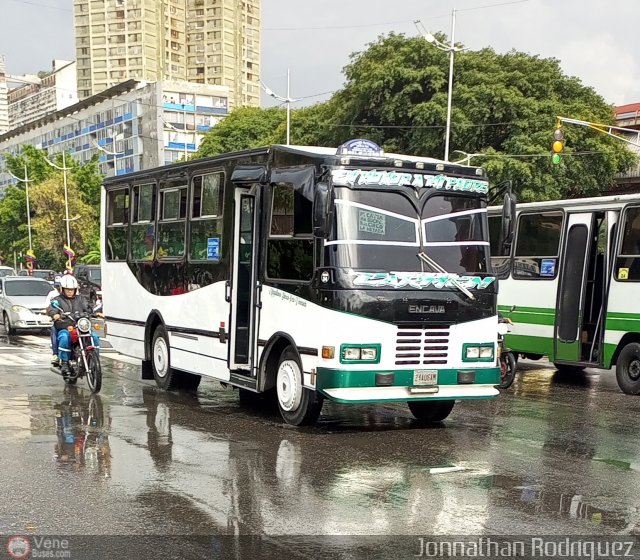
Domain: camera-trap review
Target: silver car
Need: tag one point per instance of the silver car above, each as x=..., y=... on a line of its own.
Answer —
x=23, y=303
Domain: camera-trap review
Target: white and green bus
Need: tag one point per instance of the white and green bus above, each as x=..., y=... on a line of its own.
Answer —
x=309, y=273
x=572, y=271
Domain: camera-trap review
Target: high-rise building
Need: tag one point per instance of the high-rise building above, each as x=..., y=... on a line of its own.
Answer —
x=4, y=100
x=203, y=41
x=43, y=94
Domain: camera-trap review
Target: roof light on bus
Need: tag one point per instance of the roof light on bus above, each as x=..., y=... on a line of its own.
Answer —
x=439, y=166
x=420, y=165
x=345, y=161
x=397, y=163
x=479, y=171
x=328, y=352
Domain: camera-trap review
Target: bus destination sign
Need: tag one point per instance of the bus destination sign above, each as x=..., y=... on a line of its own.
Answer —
x=372, y=177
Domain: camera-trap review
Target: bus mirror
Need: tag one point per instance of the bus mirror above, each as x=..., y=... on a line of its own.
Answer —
x=321, y=210
x=243, y=174
x=508, y=222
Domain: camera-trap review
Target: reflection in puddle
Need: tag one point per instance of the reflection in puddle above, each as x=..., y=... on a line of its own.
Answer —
x=82, y=432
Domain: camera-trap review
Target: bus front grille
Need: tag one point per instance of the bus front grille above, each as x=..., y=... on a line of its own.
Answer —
x=417, y=346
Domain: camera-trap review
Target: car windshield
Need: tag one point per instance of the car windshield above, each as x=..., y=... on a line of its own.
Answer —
x=27, y=288
x=385, y=231
x=95, y=275
x=41, y=274
x=7, y=272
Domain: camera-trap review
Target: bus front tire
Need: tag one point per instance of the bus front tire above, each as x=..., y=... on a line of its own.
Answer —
x=628, y=369
x=298, y=406
x=431, y=411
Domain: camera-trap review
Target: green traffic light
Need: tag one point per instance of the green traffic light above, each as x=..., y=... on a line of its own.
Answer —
x=555, y=159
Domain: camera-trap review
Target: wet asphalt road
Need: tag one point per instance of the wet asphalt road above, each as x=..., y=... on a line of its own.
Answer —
x=552, y=455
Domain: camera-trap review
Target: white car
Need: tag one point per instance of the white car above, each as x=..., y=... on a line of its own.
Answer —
x=7, y=271
x=23, y=303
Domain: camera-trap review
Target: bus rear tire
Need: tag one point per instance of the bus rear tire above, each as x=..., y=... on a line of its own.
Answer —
x=163, y=373
x=431, y=411
x=628, y=369
x=298, y=406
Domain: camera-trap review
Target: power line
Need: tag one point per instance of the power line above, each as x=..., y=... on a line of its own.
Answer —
x=40, y=5
x=491, y=5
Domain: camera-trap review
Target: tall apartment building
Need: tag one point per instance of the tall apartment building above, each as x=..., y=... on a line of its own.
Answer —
x=4, y=98
x=203, y=41
x=42, y=95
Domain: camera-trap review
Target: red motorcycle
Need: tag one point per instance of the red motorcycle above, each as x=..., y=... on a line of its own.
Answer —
x=85, y=359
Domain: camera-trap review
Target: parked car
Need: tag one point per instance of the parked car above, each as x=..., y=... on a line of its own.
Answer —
x=23, y=303
x=43, y=273
x=7, y=271
x=89, y=279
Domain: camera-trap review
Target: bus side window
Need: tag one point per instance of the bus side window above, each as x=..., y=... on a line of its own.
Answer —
x=143, y=226
x=117, y=224
x=172, y=225
x=290, y=243
x=628, y=261
x=205, y=238
x=537, y=246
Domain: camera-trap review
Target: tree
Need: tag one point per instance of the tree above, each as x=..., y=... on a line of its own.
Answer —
x=504, y=105
x=84, y=183
x=244, y=128
x=49, y=211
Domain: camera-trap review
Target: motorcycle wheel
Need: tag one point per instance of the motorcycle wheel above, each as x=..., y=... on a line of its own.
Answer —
x=507, y=370
x=94, y=375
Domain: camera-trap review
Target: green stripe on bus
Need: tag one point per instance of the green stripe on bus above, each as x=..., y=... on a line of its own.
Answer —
x=627, y=325
x=341, y=379
x=530, y=344
x=614, y=315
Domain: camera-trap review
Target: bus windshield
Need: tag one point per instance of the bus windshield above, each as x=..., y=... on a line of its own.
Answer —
x=385, y=231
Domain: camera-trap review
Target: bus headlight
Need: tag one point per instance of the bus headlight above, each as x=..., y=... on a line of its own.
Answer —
x=350, y=353
x=477, y=352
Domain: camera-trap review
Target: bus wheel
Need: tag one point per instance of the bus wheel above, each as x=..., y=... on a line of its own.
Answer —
x=431, y=411
x=160, y=360
x=298, y=406
x=628, y=369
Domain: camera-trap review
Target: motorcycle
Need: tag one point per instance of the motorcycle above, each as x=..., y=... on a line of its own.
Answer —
x=506, y=357
x=84, y=355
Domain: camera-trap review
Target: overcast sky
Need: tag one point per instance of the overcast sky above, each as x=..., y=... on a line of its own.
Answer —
x=594, y=39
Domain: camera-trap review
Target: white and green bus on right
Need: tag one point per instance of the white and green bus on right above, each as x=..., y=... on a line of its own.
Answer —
x=573, y=274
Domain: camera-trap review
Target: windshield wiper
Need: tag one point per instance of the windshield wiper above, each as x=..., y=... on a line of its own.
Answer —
x=452, y=277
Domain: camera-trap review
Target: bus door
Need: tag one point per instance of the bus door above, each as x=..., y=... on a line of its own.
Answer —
x=570, y=305
x=244, y=286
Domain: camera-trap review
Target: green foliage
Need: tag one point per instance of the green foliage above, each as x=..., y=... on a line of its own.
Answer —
x=46, y=193
x=504, y=105
x=244, y=128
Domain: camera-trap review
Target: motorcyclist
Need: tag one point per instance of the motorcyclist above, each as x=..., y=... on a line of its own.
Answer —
x=69, y=301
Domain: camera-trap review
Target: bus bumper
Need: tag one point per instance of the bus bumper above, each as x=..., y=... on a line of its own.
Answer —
x=348, y=386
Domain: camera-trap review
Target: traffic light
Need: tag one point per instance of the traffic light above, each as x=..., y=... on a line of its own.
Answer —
x=558, y=144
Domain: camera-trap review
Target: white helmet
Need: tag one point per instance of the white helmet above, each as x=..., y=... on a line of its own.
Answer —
x=69, y=283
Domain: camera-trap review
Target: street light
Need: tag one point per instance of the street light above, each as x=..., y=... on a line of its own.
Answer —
x=114, y=154
x=26, y=188
x=288, y=100
x=451, y=49
x=467, y=157
x=64, y=170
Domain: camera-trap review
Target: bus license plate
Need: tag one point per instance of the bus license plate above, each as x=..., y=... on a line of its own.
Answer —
x=425, y=377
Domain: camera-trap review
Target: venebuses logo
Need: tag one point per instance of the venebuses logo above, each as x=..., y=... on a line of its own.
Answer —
x=18, y=547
